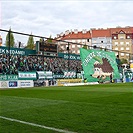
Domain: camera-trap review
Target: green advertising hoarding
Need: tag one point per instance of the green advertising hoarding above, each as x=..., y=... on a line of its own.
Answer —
x=27, y=75
x=70, y=56
x=99, y=65
x=16, y=51
x=8, y=77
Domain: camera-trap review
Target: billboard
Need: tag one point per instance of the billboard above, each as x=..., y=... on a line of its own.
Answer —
x=48, y=47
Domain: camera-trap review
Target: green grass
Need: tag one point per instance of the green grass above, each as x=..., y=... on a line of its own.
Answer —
x=103, y=108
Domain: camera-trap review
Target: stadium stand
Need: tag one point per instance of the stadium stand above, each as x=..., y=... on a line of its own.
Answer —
x=37, y=63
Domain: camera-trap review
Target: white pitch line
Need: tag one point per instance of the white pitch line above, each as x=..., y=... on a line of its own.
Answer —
x=36, y=125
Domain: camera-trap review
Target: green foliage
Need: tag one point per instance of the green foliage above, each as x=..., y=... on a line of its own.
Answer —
x=85, y=47
x=30, y=43
x=12, y=41
x=41, y=40
x=49, y=40
x=103, y=108
x=124, y=61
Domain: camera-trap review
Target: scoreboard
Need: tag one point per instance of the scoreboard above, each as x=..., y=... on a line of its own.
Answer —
x=48, y=47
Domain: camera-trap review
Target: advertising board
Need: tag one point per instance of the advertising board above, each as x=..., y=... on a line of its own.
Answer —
x=26, y=75
x=16, y=84
x=12, y=84
x=3, y=84
x=26, y=83
x=61, y=82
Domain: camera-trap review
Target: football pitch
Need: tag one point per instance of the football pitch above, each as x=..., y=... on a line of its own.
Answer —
x=103, y=108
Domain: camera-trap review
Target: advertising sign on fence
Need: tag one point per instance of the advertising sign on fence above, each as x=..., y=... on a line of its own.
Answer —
x=26, y=83
x=69, y=56
x=3, y=84
x=58, y=76
x=9, y=84
x=16, y=84
x=16, y=51
x=61, y=82
x=27, y=75
x=70, y=74
x=8, y=77
x=49, y=75
x=41, y=74
x=13, y=84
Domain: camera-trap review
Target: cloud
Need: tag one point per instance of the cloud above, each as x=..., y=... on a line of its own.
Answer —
x=45, y=18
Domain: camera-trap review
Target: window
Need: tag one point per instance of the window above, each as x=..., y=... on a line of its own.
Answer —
x=114, y=37
x=73, y=51
x=73, y=46
x=122, y=48
x=116, y=48
x=121, y=37
x=116, y=43
x=88, y=40
x=127, y=48
x=128, y=37
x=78, y=51
x=121, y=43
x=79, y=40
x=83, y=40
x=127, y=43
x=79, y=46
x=122, y=54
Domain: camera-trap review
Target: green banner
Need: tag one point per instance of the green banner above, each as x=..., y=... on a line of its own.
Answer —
x=16, y=51
x=70, y=56
x=8, y=77
x=27, y=75
x=99, y=65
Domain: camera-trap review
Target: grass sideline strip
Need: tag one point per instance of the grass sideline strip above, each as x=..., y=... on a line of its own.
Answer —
x=36, y=125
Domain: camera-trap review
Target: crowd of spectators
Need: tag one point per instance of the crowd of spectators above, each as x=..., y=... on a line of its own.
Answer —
x=37, y=63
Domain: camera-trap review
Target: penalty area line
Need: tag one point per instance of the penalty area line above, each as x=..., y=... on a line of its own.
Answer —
x=36, y=125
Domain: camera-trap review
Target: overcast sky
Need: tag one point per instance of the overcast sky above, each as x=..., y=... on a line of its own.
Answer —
x=51, y=17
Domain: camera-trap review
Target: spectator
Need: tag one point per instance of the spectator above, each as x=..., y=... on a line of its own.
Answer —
x=118, y=61
x=34, y=63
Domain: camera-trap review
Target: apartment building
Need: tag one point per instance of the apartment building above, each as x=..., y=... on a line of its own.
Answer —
x=101, y=38
x=117, y=39
x=122, y=40
x=76, y=39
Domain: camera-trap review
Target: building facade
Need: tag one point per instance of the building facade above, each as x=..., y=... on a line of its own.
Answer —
x=122, y=40
x=101, y=38
x=115, y=39
x=77, y=39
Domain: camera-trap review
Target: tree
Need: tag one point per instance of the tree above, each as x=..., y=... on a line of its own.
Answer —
x=49, y=40
x=124, y=61
x=85, y=46
x=30, y=43
x=12, y=41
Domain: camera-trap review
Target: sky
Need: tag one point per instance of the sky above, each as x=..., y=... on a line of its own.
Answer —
x=51, y=17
